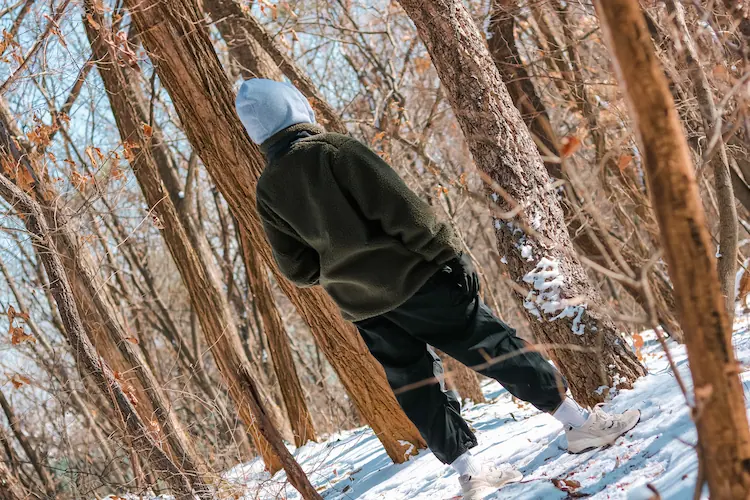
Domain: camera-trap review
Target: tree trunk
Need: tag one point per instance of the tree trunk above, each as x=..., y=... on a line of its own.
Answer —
x=188, y=68
x=103, y=325
x=281, y=351
x=202, y=282
x=723, y=434
x=728, y=224
x=252, y=47
x=58, y=371
x=589, y=239
x=39, y=464
x=254, y=62
x=563, y=307
x=89, y=362
x=10, y=486
x=461, y=379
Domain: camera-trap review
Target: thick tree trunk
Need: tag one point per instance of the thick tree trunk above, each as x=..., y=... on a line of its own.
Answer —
x=589, y=238
x=728, y=224
x=281, y=351
x=563, y=307
x=254, y=61
x=175, y=39
x=10, y=486
x=723, y=434
x=39, y=464
x=202, y=282
x=89, y=362
x=95, y=309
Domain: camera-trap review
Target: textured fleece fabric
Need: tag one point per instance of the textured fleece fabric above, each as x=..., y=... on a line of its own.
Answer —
x=337, y=215
x=267, y=107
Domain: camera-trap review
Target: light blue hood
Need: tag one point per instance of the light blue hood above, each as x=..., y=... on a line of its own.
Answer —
x=267, y=107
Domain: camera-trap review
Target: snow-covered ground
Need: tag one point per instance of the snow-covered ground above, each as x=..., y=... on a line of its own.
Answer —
x=658, y=452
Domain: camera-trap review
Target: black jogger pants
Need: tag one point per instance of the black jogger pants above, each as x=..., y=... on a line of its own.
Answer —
x=448, y=314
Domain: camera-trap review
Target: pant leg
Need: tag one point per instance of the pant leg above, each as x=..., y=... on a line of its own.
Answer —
x=448, y=314
x=408, y=362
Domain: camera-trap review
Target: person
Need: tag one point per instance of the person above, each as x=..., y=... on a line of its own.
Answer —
x=338, y=216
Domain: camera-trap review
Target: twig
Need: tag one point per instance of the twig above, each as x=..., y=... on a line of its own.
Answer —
x=37, y=44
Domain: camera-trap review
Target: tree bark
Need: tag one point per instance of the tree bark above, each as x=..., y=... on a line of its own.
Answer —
x=461, y=379
x=10, y=486
x=102, y=323
x=185, y=59
x=39, y=464
x=589, y=238
x=563, y=307
x=281, y=351
x=723, y=434
x=89, y=362
x=202, y=282
x=253, y=60
x=253, y=47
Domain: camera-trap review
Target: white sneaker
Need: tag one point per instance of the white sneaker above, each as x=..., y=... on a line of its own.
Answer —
x=600, y=429
x=488, y=481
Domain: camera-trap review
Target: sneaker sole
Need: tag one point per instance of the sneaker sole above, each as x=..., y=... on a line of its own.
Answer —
x=607, y=445
x=480, y=494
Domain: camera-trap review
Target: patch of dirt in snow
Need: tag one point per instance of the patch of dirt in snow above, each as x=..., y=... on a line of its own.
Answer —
x=352, y=465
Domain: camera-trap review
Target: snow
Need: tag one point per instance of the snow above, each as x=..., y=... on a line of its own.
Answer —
x=527, y=252
x=547, y=283
x=545, y=298
x=353, y=465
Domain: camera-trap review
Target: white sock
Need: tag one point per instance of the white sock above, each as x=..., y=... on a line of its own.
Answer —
x=467, y=464
x=569, y=413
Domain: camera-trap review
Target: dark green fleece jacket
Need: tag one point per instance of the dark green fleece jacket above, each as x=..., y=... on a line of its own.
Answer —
x=337, y=215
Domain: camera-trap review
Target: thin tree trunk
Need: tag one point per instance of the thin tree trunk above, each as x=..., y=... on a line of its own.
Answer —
x=563, y=307
x=10, y=486
x=251, y=46
x=39, y=464
x=100, y=319
x=461, y=379
x=58, y=370
x=253, y=60
x=188, y=68
x=90, y=364
x=723, y=434
x=728, y=224
x=281, y=351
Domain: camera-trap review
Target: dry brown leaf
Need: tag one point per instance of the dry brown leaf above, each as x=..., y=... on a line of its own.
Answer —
x=90, y=154
x=744, y=286
x=18, y=336
x=148, y=130
x=572, y=484
x=11, y=316
x=638, y=343
x=132, y=340
x=624, y=161
x=570, y=145
x=19, y=380
x=93, y=23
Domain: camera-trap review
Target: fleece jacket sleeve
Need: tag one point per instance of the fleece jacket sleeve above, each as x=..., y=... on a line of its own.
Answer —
x=382, y=196
x=296, y=260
